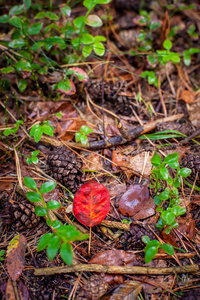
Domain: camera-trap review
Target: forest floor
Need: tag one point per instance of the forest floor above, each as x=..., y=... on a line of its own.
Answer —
x=126, y=125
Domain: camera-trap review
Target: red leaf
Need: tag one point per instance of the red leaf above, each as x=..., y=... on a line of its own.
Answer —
x=91, y=203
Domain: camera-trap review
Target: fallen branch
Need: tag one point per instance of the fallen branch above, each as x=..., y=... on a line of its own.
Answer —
x=116, y=270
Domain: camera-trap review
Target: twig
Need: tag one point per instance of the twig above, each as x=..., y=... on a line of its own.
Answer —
x=116, y=270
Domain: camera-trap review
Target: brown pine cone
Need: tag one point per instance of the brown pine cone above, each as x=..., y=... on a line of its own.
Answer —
x=20, y=215
x=65, y=167
x=95, y=88
x=192, y=161
x=133, y=239
x=94, y=289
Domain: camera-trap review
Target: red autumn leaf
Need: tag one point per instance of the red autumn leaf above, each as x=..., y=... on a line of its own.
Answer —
x=67, y=87
x=91, y=203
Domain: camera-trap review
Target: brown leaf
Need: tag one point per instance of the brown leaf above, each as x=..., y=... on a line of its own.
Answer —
x=128, y=290
x=136, y=200
x=16, y=256
x=115, y=258
x=10, y=295
x=187, y=96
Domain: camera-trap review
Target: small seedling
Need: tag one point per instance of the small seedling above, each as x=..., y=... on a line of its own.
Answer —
x=63, y=235
x=14, y=129
x=166, y=189
x=82, y=134
x=152, y=247
x=38, y=129
x=2, y=252
x=33, y=159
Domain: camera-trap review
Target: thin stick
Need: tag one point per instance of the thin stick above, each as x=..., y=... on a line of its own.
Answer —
x=90, y=235
x=117, y=270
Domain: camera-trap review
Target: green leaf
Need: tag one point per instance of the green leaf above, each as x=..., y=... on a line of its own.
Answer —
x=18, y=43
x=66, y=253
x=157, y=200
x=27, y=4
x=145, y=239
x=35, y=28
x=174, y=165
x=29, y=160
x=185, y=172
x=168, y=249
x=168, y=230
x=35, y=160
x=89, y=4
x=33, y=196
x=165, y=194
x=78, y=136
x=44, y=241
x=175, y=192
x=169, y=217
x=4, y=19
x=79, y=21
x=23, y=66
x=56, y=224
x=35, y=153
x=7, y=70
x=22, y=84
x=47, y=187
x=153, y=243
x=53, y=247
x=99, y=38
x=93, y=21
x=16, y=21
x=171, y=158
x=187, y=60
x=86, y=130
x=16, y=10
x=48, y=130
x=33, y=129
x=67, y=87
x=99, y=48
x=38, y=134
x=40, y=211
x=30, y=183
x=150, y=254
x=66, y=10
x=167, y=44
x=87, y=39
x=177, y=182
x=50, y=15
x=79, y=73
x=51, y=26
x=164, y=172
x=86, y=51
x=84, y=139
x=53, y=204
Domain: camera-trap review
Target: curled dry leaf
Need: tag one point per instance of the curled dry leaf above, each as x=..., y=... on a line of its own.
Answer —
x=136, y=200
x=187, y=96
x=91, y=203
x=116, y=258
x=16, y=256
x=128, y=290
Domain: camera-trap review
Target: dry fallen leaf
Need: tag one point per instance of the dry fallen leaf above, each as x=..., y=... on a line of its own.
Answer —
x=187, y=96
x=128, y=290
x=136, y=202
x=16, y=256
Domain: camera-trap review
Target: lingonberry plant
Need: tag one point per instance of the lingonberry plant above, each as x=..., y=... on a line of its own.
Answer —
x=152, y=247
x=166, y=189
x=82, y=134
x=62, y=236
x=53, y=34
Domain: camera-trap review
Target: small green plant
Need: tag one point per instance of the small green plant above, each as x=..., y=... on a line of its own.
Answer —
x=39, y=129
x=166, y=189
x=149, y=24
x=14, y=129
x=152, y=247
x=33, y=159
x=63, y=235
x=2, y=252
x=166, y=55
x=82, y=134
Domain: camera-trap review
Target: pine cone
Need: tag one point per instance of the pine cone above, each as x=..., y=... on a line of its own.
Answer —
x=95, y=88
x=23, y=216
x=94, y=289
x=192, y=161
x=65, y=167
